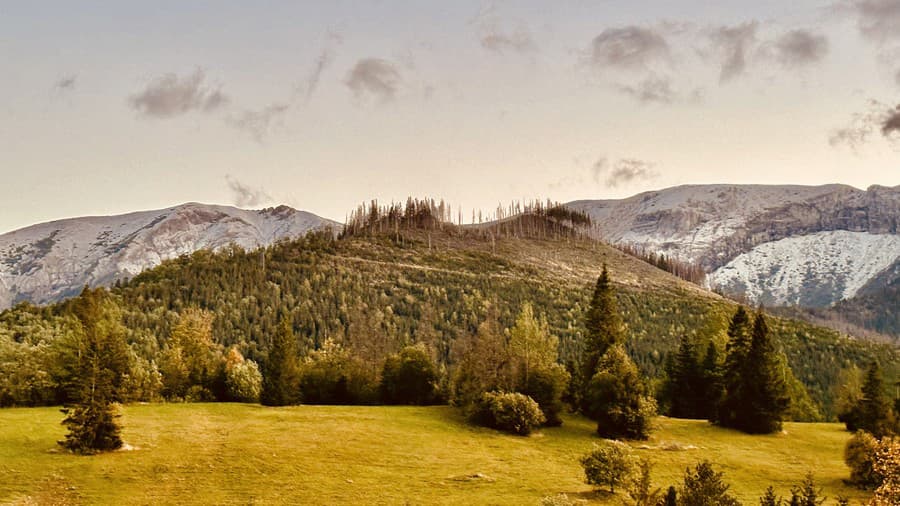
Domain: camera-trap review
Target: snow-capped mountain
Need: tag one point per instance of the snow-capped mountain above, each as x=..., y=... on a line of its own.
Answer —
x=54, y=260
x=779, y=245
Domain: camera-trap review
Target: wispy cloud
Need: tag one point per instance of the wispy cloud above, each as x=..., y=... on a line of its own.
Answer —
x=259, y=123
x=650, y=90
x=518, y=40
x=323, y=61
x=65, y=83
x=800, y=47
x=877, y=20
x=170, y=95
x=246, y=196
x=879, y=118
x=622, y=171
x=374, y=77
x=629, y=47
x=730, y=47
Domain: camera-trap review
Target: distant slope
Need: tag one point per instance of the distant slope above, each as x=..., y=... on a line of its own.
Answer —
x=765, y=242
x=50, y=261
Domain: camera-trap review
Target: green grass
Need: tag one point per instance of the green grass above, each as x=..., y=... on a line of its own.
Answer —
x=246, y=454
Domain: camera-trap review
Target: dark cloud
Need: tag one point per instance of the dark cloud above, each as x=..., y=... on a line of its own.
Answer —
x=879, y=118
x=170, y=95
x=731, y=45
x=878, y=20
x=245, y=196
x=623, y=171
x=890, y=126
x=65, y=83
x=259, y=123
x=376, y=77
x=630, y=47
x=652, y=89
x=800, y=47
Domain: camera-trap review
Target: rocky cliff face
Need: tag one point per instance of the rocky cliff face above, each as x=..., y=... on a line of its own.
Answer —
x=51, y=261
x=740, y=235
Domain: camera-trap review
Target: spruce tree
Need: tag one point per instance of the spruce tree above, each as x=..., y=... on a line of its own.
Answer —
x=712, y=390
x=730, y=407
x=874, y=410
x=97, y=364
x=616, y=398
x=766, y=397
x=687, y=380
x=281, y=378
x=604, y=328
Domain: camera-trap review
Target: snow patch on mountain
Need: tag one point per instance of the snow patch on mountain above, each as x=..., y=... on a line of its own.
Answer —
x=808, y=270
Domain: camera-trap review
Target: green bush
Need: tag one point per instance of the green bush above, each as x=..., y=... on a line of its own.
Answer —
x=703, y=486
x=546, y=386
x=609, y=465
x=334, y=376
x=243, y=380
x=859, y=455
x=409, y=377
x=510, y=412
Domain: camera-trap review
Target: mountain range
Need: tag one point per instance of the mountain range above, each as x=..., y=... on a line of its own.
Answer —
x=831, y=246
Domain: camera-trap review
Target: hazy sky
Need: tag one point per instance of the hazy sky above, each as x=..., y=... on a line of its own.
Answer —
x=108, y=107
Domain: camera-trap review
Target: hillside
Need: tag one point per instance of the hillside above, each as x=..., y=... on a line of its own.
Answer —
x=778, y=245
x=241, y=454
x=376, y=292
x=51, y=261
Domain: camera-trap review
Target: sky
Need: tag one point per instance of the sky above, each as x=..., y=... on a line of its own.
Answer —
x=111, y=107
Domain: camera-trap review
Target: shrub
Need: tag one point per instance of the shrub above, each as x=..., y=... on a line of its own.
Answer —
x=703, y=486
x=806, y=494
x=510, y=412
x=243, y=380
x=640, y=489
x=546, y=386
x=859, y=455
x=409, y=377
x=333, y=376
x=608, y=465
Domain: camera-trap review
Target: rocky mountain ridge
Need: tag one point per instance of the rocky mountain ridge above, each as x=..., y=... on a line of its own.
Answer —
x=50, y=261
x=745, y=236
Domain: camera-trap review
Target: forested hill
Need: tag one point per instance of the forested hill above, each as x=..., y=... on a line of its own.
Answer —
x=379, y=288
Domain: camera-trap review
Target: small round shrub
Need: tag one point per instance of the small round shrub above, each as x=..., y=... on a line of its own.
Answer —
x=859, y=455
x=609, y=465
x=507, y=411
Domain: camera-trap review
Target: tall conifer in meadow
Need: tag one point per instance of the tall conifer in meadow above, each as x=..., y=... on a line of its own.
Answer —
x=281, y=376
x=604, y=328
x=730, y=408
x=767, y=399
x=96, y=365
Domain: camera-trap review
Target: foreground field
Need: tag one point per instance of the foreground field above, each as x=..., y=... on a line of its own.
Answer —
x=245, y=454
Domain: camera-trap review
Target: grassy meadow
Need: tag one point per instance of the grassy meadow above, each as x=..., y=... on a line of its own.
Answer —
x=248, y=454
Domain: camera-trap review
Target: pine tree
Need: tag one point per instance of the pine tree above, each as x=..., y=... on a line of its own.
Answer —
x=604, y=328
x=686, y=383
x=766, y=398
x=97, y=365
x=730, y=407
x=874, y=410
x=770, y=499
x=712, y=389
x=705, y=487
x=281, y=378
